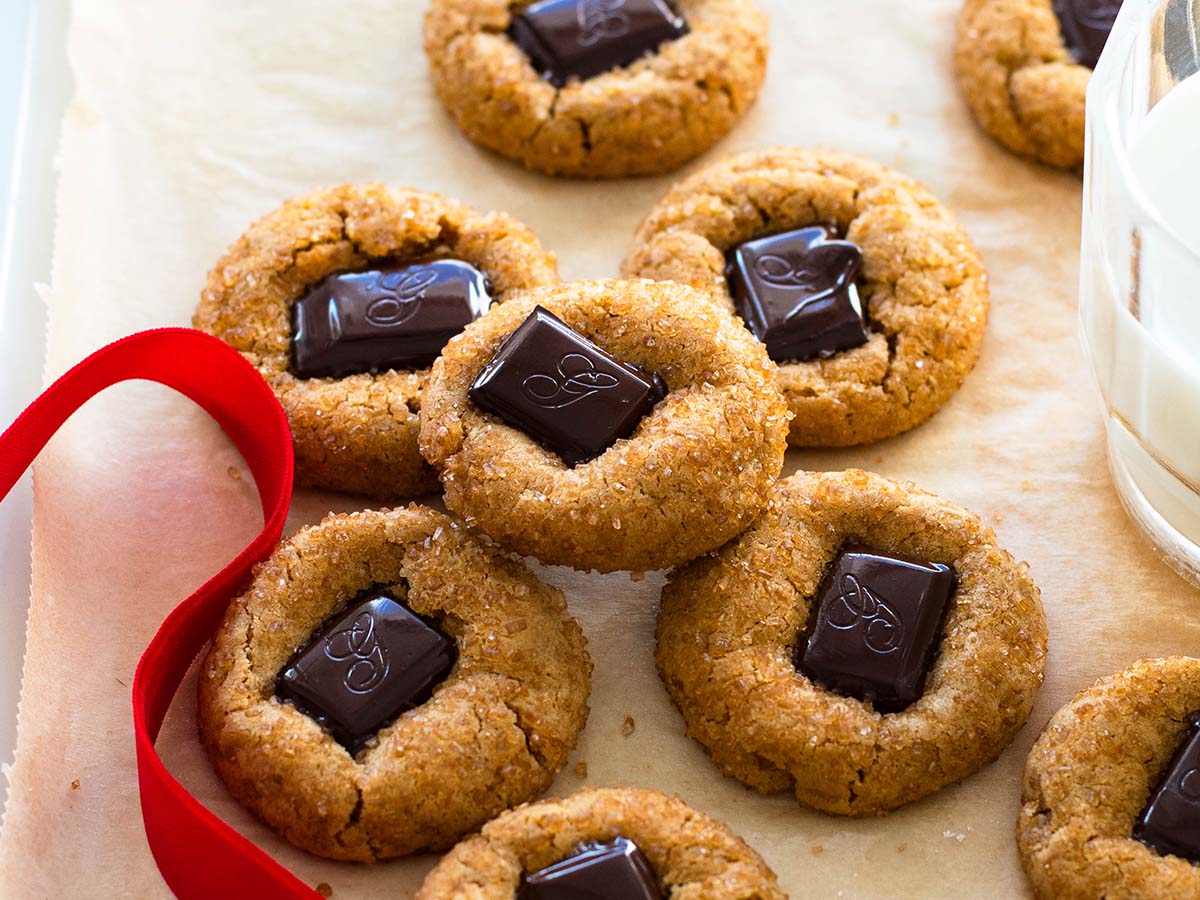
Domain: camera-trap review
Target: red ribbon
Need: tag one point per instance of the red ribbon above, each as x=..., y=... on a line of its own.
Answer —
x=199, y=856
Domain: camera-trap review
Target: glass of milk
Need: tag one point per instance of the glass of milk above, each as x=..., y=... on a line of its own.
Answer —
x=1140, y=279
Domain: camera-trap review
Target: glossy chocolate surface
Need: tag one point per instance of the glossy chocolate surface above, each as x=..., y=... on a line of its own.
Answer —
x=1171, y=823
x=391, y=317
x=616, y=870
x=563, y=391
x=365, y=666
x=874, y=630
x=796, y=293
x=567, y=39
x=1086, y=25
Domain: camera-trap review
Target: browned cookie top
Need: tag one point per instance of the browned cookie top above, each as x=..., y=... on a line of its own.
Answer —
x=691, y=854
x=651, y=115
x=496, y=729
x=733, y=625
x=694, y=470
x=922, y=285
x=1019, y=77
x=1091, y=775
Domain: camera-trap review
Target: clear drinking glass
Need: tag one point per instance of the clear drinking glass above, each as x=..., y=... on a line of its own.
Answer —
x=1140, y=278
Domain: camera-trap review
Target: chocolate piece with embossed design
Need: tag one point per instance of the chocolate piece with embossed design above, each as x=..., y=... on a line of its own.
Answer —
x=615, y=870
x=1171, y=823
x=874, y=628
x=390, y=317
x=567, y=39
x=365, y=666
x=1086, y=25
x=796, y=293
x=563, y=391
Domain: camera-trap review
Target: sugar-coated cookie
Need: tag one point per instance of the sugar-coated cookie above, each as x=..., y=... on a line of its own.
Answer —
x=865, y=290
x=606, y=425
x=1024, y=66
x=863, y=644
x=1111, y=800
x=621, y=844
x=596, y=88
x=367, y=616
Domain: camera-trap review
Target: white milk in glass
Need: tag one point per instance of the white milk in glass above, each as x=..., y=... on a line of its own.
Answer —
x=1153, y=376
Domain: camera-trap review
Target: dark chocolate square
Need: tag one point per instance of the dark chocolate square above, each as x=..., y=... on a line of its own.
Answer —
x=563, y=391
x=1171, y=823
x=365, y=666
x=1086, y=25
x=616, y=870
x=875, y=626
x=796, y=293
x=391, y=317
x=567, y=39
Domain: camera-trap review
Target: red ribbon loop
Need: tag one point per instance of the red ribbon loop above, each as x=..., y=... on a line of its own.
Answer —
x=199, y=856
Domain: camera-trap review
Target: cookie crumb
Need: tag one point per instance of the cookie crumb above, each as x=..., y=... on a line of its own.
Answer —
x=325, y=889
x=893, y=120
x=628, y=726
x=235, y=473
x=902, y=847
x=581, y=769
x=1026, y=487
x=817, y=849
x=75, y=785
x=998, y=517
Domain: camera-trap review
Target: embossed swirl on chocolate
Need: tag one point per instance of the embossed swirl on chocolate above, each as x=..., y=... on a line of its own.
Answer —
x=562, y=390
x=365, y=666
x=874, y=626
x=566, y=39
x=359, y=645
x=1086, y=25
x=796, y=293
x=391, y=317
x=577, y=380
x=859, y=607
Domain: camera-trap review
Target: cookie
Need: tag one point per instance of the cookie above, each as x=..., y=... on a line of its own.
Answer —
x=596, y=88
x=820, y=652
x=405, y=269
x=868, y=294
x=1114, y=765
x=679, y=480
x=679, y=853
x=367, y=615
x=1024, y=66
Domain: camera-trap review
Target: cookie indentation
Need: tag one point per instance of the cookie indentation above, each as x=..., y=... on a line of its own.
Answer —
x=588, y=400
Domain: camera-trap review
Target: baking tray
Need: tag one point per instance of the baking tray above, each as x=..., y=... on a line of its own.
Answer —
x=34, y=87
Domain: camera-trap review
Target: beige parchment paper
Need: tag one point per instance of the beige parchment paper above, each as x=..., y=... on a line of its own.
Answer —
x=191, y=119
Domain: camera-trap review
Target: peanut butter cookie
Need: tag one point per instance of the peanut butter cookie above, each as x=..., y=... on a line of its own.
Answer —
x=1024, y=67
x=1111, y=803
x=596, y=88
x=866, y=292
x=618, y=844
x=606, y=425
x=342, y=298
x=388, y=683
x=863, y=644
